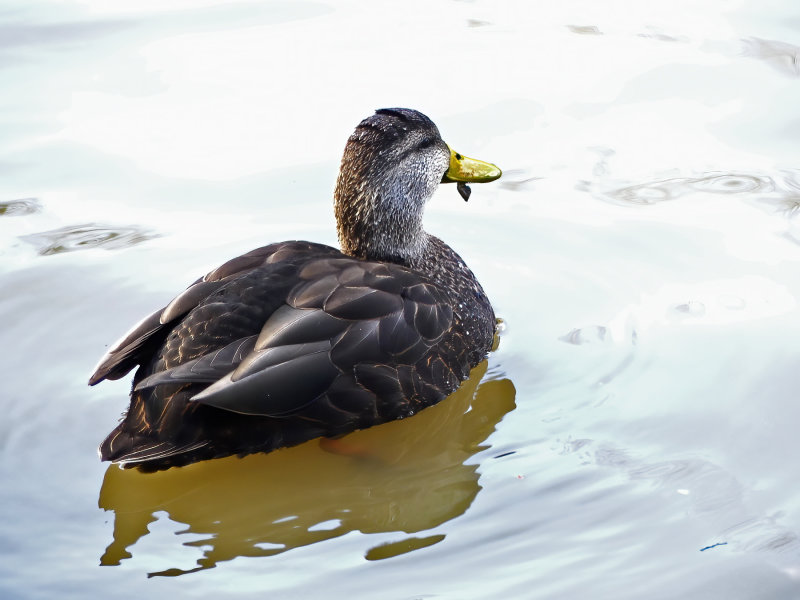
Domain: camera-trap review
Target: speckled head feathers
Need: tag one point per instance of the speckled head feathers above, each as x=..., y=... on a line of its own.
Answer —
x=396, y=121
x=392, y=164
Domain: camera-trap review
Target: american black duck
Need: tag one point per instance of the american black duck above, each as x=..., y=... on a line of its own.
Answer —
x=298, y=340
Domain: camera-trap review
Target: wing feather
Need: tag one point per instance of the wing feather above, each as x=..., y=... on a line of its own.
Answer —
x=138, y=345
x=343, y=318
x=293, y=331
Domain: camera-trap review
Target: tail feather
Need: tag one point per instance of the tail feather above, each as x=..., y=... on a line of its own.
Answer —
x=132, y=450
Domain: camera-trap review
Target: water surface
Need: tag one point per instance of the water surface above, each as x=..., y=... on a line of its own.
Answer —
x=635, y=433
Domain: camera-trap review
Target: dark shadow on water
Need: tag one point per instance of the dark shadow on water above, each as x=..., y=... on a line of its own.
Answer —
x=406, y=476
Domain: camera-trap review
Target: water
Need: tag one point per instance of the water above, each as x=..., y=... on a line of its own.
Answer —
x=633, y=436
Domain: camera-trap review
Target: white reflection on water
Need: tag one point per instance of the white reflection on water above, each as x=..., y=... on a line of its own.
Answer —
x=643, y=248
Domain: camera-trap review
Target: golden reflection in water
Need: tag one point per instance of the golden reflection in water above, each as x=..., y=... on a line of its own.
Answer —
x=406, y=476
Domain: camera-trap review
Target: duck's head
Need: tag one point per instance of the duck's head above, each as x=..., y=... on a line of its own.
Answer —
x=392, y=165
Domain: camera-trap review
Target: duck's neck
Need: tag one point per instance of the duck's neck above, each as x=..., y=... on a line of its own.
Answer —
x=381, y=221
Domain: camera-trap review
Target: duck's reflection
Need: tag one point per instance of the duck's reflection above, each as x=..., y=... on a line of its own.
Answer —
x=406, y=476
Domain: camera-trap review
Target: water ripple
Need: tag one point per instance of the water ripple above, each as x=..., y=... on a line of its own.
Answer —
x=585, y=29
x=781, y=56
x=586, y=335
x=648, y=193
x=713, y=495
x=518, y=180
x=22, y=206
x=732, y=183
x=670, y=189
x=658, y=35
x=86, y=236
x=787, y=201
x=692, y=308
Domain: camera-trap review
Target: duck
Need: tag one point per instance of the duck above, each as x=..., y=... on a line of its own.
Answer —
x=298, y=340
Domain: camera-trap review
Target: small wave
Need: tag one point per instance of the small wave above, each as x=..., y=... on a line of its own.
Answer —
x=84, y=237
x=585, y=29
x=732, y=183
x=665, y=470
x=663, y=37
x=670, y=189
x=585, y=335
x=787, y=200
x=518, y=180
x=22, y=206
x=781, y=56
x=692, y=308
x=763, y=533
x=649, y=193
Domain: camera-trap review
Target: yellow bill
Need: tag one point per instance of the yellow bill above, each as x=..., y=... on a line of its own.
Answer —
x=463, y=168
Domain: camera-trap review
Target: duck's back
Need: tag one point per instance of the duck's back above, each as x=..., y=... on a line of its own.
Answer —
x=290, y=342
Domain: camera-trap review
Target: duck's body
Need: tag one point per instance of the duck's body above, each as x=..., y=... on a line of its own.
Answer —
x=298, y=340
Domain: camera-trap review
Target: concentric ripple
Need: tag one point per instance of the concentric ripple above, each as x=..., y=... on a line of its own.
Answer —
x=670, y=189
x=731, y=183
x=648, y=193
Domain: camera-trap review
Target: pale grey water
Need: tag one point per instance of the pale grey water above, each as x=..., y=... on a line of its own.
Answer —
x=643, y=248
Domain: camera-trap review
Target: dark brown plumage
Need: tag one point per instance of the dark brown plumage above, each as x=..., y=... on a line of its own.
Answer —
x=297, y=340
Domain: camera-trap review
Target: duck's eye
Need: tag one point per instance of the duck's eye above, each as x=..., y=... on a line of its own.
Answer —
x=426, y=143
